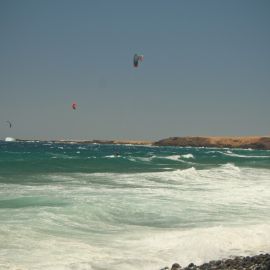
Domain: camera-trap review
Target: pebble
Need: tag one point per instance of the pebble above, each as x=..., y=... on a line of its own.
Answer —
x=257, y=262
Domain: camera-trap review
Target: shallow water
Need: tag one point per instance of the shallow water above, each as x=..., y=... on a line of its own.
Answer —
x=66, y=206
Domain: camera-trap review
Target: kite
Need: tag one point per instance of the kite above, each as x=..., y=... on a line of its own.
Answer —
x=74, y=105
x=136, y=59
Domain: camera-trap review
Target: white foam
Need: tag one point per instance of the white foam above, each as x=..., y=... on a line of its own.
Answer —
x=201, y=245
x=144, y=159
x=173, y=157
x=111, y=156
x=228, y=167
x=231, y=154
x=132, y=250
x=144, y=220
x=187, y=156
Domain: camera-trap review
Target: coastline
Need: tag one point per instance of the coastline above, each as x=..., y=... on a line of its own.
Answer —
x=70, y=141
x=252, y=142
x=243, y=142
x=256, y=262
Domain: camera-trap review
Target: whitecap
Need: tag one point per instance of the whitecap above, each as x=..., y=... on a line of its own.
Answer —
x=111, y=156
x=188, y=156
x=173, y=157
x=231, y=154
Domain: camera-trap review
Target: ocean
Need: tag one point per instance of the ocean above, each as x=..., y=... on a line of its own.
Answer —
x=126, y=207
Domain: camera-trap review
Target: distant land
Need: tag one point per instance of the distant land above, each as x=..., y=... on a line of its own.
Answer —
x=244, y=142
x=253, y=142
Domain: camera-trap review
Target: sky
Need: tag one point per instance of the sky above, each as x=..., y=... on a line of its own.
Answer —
x=206, y=68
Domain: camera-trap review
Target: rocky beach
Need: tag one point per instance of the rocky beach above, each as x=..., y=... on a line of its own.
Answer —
x=258, y=262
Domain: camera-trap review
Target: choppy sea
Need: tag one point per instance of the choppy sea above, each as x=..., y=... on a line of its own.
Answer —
x=125, y=207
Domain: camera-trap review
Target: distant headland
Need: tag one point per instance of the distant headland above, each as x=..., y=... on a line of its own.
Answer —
x=244, y=142
x=253, y=142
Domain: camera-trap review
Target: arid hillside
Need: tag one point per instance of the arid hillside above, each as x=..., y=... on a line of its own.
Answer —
x=231, y=142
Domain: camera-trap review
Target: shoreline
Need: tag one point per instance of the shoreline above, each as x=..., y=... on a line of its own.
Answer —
x=241, y=142
x=256, y=262
x=252, y=142
x=123, y=142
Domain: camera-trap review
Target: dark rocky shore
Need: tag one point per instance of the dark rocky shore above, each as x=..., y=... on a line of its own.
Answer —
x=258, y=262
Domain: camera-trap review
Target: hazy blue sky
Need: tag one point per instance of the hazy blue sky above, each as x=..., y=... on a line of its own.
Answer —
x=206, y=69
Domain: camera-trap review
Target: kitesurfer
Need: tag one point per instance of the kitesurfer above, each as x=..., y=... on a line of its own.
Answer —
x=10, y=125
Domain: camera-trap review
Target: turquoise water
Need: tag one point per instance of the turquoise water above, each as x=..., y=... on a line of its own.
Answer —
x=76, y=206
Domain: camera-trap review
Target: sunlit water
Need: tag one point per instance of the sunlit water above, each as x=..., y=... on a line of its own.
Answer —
x=69, y=206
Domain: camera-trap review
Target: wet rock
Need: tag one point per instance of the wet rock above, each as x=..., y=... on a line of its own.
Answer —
x=176, y=266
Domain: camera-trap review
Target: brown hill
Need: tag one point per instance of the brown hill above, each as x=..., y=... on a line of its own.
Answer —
x=230, y=142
